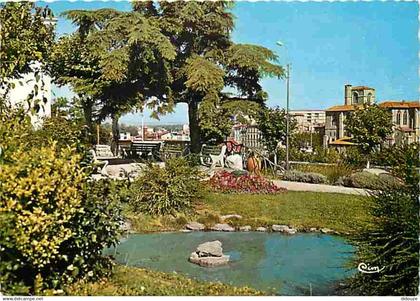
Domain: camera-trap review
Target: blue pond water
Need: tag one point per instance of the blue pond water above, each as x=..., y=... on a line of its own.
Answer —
x=285, y=265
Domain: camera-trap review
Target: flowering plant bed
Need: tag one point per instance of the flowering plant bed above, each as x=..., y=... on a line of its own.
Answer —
x=224, y=181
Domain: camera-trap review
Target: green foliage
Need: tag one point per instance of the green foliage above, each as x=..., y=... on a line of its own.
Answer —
x=272, y=124
x=54, y=222
x=65, y=132
x=306, y=177
x=24, y=37
x=332, y=172
x=368, y=180
x=354, y=157
x=228, y=110
x=369, y=126
x=129, y=281
x=403, y=160
x=165, y=190
x=302, y=140
x=392, y=243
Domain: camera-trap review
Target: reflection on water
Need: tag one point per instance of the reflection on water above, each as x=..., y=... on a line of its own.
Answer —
x=286, y=265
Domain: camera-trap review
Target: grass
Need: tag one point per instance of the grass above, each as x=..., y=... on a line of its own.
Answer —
x=130, y=281
x=340, y=212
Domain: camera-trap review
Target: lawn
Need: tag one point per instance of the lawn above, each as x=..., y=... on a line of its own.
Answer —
x=340, y=212
x=130, y=281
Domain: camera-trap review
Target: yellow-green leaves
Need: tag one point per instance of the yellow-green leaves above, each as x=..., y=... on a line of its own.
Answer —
x=203, y=76
x=42, y=188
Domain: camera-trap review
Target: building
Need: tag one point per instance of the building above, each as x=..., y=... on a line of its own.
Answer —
x=248, y=135
x=335, y=116
x=405, y=116
x=406, y=119
x=308, y=120
x=40, y=105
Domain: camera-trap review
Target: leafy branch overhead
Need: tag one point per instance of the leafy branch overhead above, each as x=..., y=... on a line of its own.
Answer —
x=159, y=55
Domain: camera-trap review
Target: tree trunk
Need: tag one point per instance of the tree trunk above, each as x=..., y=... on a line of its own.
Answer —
x=115, y=134
x=194, y=127
x=88, y=115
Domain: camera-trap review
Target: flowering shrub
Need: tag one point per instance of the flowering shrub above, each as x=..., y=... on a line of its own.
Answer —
x=225, y=181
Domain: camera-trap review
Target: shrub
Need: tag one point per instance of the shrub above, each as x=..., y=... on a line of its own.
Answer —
x=54, y=224
x=63, y=131
x=60, y=223
x=391, y=243
x=224, y=181
x=163, y=190
x=368, y=180
x=306, y=177
x=353, y=157
x=332, y=172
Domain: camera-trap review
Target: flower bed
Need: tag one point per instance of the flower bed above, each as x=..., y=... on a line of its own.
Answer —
x=224, y=181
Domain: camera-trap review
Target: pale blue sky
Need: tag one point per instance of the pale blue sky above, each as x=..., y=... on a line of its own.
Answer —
x=328, y=45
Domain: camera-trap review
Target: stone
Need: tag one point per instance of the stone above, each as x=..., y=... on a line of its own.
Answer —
x=209, y=254
x=283, y=229
x=245, y=228
x=223, y=227
x=194, y=226
x=209, y=261
x=223, y=217
x=261, y=229
x=313, y=230
x=210, y=248
x=326, y=231
x=280, y=228
x=185, y=231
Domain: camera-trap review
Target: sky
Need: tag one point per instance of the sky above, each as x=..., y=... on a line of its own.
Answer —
x=328, y=44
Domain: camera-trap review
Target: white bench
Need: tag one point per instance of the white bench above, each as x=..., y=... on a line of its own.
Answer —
x=212, y=155
x=100, y=156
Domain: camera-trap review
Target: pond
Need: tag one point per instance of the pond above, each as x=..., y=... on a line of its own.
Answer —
x=272, y=262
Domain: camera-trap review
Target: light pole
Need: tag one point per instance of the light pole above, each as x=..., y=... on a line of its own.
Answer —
x=287, y=107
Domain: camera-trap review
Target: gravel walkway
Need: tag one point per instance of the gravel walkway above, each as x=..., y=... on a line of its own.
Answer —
x=298, y=186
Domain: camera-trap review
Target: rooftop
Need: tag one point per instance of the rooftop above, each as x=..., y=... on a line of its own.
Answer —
x=362, y=88
x=400, y=104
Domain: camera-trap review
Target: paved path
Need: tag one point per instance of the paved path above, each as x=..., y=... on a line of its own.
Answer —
x=298, y=186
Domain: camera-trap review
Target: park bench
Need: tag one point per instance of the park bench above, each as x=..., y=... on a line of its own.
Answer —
x=173, y=150
x=211, y=155
x=143, y=149
x=100, y=156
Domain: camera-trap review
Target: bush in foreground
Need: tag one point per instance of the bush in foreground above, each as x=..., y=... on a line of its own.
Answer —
x=55, y=224
x=392, y=243
x=224, y=181
x=166, y=190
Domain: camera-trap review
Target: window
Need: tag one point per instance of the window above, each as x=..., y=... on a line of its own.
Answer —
x=398, y=117
x=355, y=97
x=405, y=118
x=369, y=98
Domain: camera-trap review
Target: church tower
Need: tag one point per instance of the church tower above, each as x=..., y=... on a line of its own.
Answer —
x=358, y=95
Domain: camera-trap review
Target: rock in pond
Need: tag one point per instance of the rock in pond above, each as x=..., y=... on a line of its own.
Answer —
x=245, y=228
x=223, y=227
x=194, y=226
x=209, y=254
x=261, y=229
